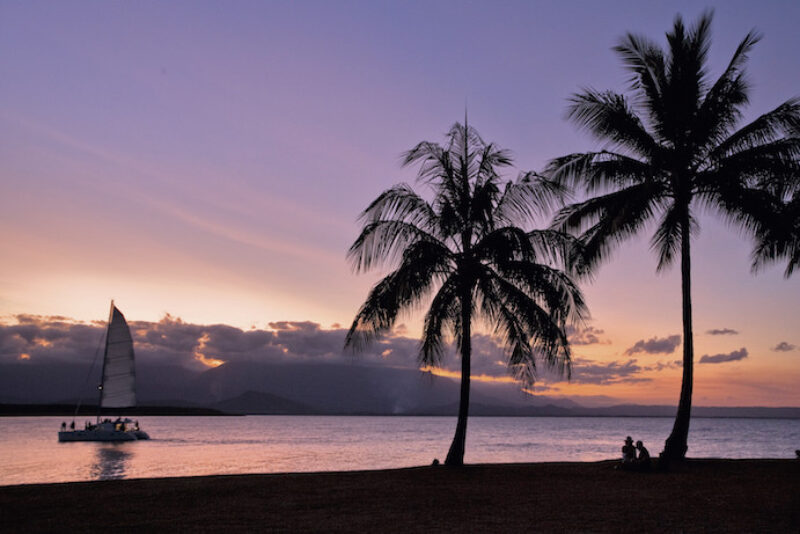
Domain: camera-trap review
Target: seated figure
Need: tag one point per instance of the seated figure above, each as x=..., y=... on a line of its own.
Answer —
x=643, y=459
x=628, y=451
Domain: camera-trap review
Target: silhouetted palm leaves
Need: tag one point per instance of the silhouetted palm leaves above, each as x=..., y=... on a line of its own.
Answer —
x=672, y=148
x=462, y=252
x=779, y=237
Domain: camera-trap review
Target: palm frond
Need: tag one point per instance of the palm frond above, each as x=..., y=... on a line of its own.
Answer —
x=442, y=316
x=544, y=330
x=773, y=125
x=605, y=221
x=720, y=110
x=608, y=117
x=552, y=288
x=666, y=240
x=509, y=328
x=773, y=221
x=598, y=171
x=423, y=264
x=647, y=63
x=504, y=244
x=531, y=196
x=385, y=241
x=775, y=164
x=401, y=203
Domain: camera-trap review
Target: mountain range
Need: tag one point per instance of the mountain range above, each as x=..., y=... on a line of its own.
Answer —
x=329, y=388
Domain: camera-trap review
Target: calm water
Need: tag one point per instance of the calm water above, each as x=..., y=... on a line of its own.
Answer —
x=30, y=452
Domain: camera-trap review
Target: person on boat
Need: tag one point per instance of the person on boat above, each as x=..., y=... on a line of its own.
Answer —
x=643, y=459
x=72, y=425
x=628, y=451
x=63, y=426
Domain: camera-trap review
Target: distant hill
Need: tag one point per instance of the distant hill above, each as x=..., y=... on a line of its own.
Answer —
x=623, y=410
x=256, y=402
x=342, y=388
x=318, y=388
x=68, y=410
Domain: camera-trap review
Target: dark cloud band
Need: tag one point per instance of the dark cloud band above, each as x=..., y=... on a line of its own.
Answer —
x=736, y=355
x=655, y=345
x=722, y=332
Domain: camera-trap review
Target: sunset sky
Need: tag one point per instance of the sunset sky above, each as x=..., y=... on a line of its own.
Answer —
x=208, y=160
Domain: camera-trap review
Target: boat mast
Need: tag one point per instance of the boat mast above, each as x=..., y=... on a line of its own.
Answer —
x=103, y=371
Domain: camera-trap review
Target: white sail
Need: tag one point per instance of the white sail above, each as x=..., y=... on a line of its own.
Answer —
x=118, y=369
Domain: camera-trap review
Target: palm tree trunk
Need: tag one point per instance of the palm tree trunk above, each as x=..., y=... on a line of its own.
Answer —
x=455, y=456
x=676, y=445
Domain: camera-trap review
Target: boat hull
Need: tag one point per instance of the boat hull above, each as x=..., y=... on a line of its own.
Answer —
x=102, y=435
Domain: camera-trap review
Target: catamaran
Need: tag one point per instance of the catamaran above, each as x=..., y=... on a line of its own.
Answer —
x=117, y=389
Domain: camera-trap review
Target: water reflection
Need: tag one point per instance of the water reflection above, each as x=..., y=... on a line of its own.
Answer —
x=110, y=461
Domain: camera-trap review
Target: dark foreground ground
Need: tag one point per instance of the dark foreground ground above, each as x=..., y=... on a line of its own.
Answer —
x=701, y=496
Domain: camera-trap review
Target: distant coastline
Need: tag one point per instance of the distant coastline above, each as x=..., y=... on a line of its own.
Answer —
x=476, y=410
x=90, y=411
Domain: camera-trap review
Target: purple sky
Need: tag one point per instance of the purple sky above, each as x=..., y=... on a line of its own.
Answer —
x=209, y=159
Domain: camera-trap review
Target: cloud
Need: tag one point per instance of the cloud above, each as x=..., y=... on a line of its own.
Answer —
x=172, y=341
x=56, y=354
x=783, y=346
x=722, y=332
x=655, y=345
x=585, y=371
x=590, y=372
x=489, y=359
x=660, y=366
x=585, y=336
x=54, y=338
x=740, y=354
x=197, y=347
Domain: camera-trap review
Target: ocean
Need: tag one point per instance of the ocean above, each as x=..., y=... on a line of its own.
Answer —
x=188, y=446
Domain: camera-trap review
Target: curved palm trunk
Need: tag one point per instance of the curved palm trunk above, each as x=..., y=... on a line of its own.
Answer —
x=676, y=444
x=455, y=456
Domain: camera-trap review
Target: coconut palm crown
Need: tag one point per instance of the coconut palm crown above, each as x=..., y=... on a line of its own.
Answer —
x=672, y=148
x=461, y=255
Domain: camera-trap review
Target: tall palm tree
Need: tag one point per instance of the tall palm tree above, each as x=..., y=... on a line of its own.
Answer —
x=462, y=253
x=672, y=148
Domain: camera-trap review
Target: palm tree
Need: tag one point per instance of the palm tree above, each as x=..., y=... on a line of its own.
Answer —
x=672, y=148
x=462, y=253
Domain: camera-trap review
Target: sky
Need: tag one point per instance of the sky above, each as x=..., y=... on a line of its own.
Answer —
x=208, y=160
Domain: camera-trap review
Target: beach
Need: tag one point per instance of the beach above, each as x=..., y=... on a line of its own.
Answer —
x=700, y=495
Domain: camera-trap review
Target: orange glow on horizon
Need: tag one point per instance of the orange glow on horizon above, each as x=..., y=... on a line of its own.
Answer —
x=457, y=374
x=202, y=358
x=24, y=356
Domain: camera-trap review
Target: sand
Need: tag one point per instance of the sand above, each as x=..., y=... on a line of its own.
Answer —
x=700, y=496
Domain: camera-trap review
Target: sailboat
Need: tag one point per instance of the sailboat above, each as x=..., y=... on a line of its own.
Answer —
x=117, y=389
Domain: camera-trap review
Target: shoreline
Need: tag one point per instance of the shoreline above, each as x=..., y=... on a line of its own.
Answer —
x=700, y=495
x=618, y=411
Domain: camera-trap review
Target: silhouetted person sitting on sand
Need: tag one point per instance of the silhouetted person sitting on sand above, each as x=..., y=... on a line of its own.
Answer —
x=628, y=451
x=643, y=460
